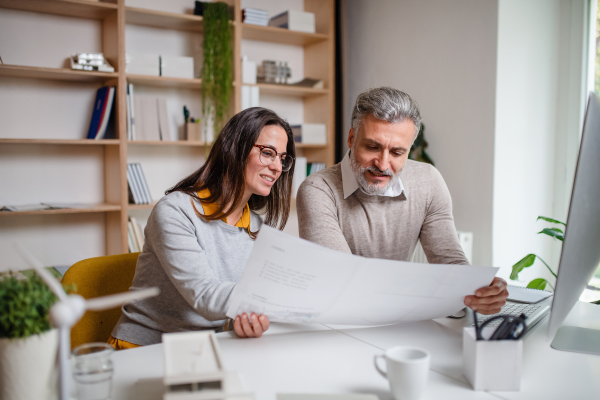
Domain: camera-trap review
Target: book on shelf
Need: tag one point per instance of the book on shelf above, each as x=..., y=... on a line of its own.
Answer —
x=302, y=170
x=310, y=133
x=101, y=115
x=148, y=118
x=255, y=16
x=250, y=96
x=294, y=20
x=135, y=236
x=139, y=193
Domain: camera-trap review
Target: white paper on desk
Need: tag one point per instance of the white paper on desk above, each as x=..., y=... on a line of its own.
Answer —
x=292, y=280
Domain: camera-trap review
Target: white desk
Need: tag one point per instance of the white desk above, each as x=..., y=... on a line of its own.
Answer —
x=332, y=359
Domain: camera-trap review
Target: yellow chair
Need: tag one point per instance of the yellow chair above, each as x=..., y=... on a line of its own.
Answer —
x=99, y=276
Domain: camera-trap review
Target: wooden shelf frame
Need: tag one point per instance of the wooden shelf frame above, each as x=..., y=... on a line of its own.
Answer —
x=165, y=81
x=182, y=143
x=69, y=8
x=93, y=208
x=164, y=20
x=319, y=104
x=66, y=142
x=59, y=74
x=280, y=35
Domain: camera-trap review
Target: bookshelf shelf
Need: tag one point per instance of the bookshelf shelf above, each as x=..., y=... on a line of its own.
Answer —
x=164, y=81
x=183, y=143
x=161, y=19
x=71, y=8
x=60, y=74
x=93, y=208
x=280, y=35
x=289, y=90
x=141, y=206
x=69, y=142
x=310, y=146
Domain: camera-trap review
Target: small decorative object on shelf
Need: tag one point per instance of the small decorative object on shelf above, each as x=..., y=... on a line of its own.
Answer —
x=1, y=61
x=90, y=62
x=274, y=72
x=310, y=133
x=295, y=21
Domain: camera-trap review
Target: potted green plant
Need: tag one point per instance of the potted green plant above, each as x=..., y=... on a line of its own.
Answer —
x=28, y=344
x=529, y=259
x=217, y=67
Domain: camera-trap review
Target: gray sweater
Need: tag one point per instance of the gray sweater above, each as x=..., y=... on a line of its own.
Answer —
x=379, y=226
x=195, y=264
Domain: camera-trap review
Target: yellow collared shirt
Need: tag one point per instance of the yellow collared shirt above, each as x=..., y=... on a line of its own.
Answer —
x=211, y=208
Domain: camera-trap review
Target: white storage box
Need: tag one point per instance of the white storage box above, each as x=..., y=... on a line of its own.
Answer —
x=295, y=21
x=177, y=67
x=492, y=364
x=142, y=64
x=314, y=134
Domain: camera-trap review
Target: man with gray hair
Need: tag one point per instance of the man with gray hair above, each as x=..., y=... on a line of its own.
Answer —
x=377, y=203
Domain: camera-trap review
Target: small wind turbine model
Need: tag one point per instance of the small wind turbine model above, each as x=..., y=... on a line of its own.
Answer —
x=69, y=309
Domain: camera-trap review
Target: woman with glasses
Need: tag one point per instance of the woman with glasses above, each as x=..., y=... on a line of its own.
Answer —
x=200, y=234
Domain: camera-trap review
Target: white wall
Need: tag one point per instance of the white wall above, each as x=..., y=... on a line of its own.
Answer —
x=442, y=53
x=538, y=115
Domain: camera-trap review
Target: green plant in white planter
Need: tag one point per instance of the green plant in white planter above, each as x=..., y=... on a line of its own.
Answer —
x=28, y=344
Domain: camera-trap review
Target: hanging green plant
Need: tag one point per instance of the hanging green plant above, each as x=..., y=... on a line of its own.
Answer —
x=217, y=68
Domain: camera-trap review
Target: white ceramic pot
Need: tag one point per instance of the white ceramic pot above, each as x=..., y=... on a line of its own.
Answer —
x=27, y=367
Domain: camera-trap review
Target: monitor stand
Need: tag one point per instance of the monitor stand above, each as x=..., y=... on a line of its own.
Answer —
x=577, y=340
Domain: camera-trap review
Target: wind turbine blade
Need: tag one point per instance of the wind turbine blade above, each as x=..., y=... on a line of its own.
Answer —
x=115, y=300
x=46, y=276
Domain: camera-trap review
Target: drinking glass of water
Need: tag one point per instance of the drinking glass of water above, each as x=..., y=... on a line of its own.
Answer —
x=92, y=370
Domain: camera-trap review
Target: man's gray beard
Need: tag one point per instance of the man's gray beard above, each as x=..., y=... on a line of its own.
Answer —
x=365, y=186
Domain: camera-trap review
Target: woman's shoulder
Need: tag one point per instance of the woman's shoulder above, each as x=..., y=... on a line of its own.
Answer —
x=174, y=202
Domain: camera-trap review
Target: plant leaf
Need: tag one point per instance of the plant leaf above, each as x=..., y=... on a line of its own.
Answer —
x=554, y=221
x=553, y=232
x=525, y=262
x=539, y=284
x=596, y=302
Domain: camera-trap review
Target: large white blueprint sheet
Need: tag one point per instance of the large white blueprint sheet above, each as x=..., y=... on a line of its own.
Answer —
x=292, y=280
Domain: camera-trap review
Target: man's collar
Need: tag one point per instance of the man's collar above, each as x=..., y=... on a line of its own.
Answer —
x=350, y=183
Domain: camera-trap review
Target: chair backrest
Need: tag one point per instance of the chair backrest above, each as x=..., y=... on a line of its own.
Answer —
x=94, y=277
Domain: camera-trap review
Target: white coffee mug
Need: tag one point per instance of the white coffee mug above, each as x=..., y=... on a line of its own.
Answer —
x=407, y=370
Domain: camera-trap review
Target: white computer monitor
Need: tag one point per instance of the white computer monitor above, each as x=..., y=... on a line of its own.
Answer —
x=581, y=246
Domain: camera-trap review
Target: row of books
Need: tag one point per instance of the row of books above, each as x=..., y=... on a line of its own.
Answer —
x=302, y=170
x=102, y=124
x=147, y=118
x=310, y=133
x=139, y=192
x=255, y=16
x=135, y=236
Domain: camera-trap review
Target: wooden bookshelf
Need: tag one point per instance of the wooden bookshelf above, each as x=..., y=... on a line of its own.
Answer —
x=280, y=35
x=93, y=208
x=164, y=81
x=70, y=8
x=114, y=16
x=67, y=142
x=183, y=143
x=290, y=90
x=59, y=74
x=161, y=19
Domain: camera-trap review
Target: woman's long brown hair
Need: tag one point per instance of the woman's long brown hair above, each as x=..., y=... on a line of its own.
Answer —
x=224, y=172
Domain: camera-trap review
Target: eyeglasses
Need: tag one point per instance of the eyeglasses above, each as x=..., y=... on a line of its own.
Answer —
x=268, y=154
x=511, y=327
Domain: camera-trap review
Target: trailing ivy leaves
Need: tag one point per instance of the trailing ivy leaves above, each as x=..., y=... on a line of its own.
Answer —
x=217, y=68
x=24, y=306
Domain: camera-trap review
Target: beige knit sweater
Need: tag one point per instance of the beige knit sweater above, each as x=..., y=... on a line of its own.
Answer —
x=379, y=226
